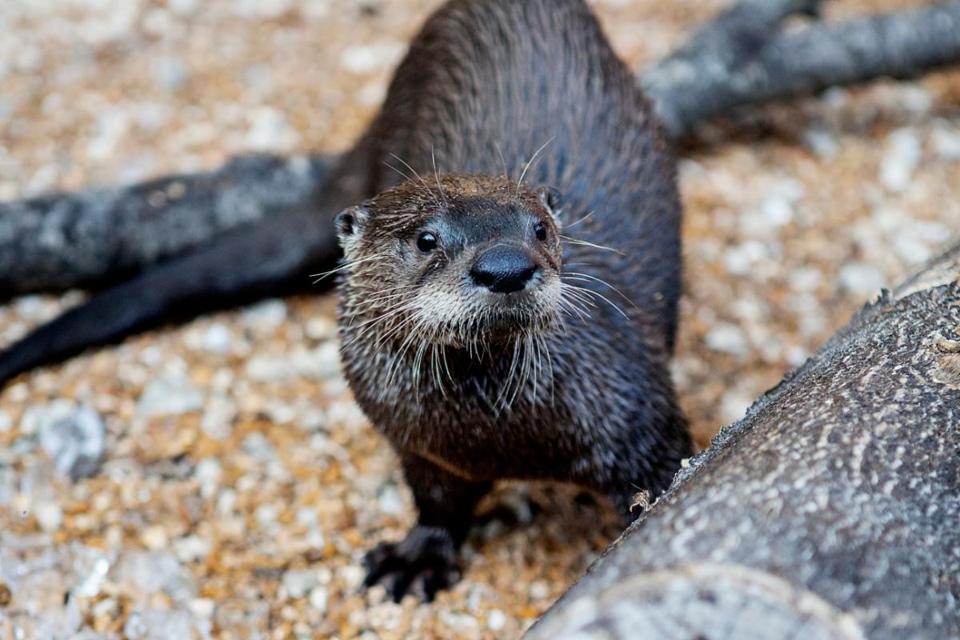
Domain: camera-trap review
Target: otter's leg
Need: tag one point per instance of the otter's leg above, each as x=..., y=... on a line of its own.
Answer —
x=427, y=559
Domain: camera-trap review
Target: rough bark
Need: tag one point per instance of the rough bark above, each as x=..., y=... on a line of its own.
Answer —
x=97, y=236
x=740, y=58
x=830, y=511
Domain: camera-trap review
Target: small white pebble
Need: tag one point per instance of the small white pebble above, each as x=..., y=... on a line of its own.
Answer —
x=18, y=393
x=860, y=278
x=805, y=278
x=727, y=338
x=208, y=472
x=183, y=7
x=913, y=98
x=202, y=607
x=734, y=405
x=320, y=364
x=946, y=142
x=539, y=590
x=496, y=620
x=31, y=308
x=460, y=622
x=307, y=517
x=280, y=413
x=321, y=328
x=49, y=515
x=346, y=414
x=154, y=537
x=318, y=599
x=740, y=259
x=351, y=575
x=218, y=416
x=170, y=395
x=266, y=515
x=191, y=548
x=315, y=540
x=796, y=356
x=271, y=130
x=262, y=8
x=822, y=141
x=217, y=338
x=265, y=316
x=74, y=436
x=270, y=369
x=900, y=159
x=297, y=584
x=371, y=94
x=370, y=57
x=315, y=9
x=390, y=501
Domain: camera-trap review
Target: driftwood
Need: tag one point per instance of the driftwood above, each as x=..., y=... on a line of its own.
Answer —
x=832, y=510
x=100, y=236
x=743, y=57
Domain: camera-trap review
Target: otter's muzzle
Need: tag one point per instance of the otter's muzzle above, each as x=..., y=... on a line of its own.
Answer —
x=504, y=269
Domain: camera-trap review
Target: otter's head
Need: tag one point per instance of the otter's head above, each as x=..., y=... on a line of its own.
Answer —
x=465, y=261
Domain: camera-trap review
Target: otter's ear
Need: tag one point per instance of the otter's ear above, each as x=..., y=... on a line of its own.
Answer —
x=349, y=224
x=552, y=200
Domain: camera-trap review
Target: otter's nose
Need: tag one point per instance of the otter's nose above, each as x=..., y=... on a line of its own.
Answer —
x=503, y=269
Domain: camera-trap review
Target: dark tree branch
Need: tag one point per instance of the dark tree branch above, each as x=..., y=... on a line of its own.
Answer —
x=743, y=59
x=98, y=236
x=740, y=58
x=829, y=511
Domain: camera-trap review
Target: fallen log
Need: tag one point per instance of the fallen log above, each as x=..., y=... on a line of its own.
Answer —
x=100, y=236
x=831, y=510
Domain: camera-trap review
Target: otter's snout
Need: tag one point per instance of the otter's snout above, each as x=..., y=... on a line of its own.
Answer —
x=504, y=269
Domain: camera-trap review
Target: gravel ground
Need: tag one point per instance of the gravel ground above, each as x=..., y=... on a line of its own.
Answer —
x=215, y=479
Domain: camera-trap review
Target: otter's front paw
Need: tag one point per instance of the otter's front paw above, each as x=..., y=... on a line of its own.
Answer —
x=423, y=563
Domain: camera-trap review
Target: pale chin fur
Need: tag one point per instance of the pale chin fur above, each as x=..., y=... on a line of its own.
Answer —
x=441, y=313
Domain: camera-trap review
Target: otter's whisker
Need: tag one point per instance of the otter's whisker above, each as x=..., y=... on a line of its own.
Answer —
x=567, y=305
x=576, y=275
x=582, y=219
x=592, y=245
x=503, y=161
x=599, y=295
x=418, y=177
x=504, y=391
x=402, y=174
x=346, y=265
x=533, y=159
x=577, y=294
x=546, y=347
x=436, y=174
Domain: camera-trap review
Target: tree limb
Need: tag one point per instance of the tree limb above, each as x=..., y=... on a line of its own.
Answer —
x=829, y=511
x=732, y=63
x=98, y=236
x=742, y=57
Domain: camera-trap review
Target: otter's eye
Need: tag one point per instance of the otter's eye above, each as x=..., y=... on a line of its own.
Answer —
x=541, y=230
x=427, y=242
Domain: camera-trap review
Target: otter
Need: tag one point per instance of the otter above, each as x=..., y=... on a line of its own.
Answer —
x=510, y=226
x=508, y=300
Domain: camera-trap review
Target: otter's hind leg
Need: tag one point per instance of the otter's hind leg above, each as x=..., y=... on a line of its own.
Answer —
x=427, y=559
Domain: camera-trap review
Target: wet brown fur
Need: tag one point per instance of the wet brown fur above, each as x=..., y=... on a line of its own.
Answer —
x=490, y=91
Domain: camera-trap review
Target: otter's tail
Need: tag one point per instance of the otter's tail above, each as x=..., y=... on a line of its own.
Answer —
x=273, y=256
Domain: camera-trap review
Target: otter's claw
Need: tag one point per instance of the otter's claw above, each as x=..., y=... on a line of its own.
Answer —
x=423, y=563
